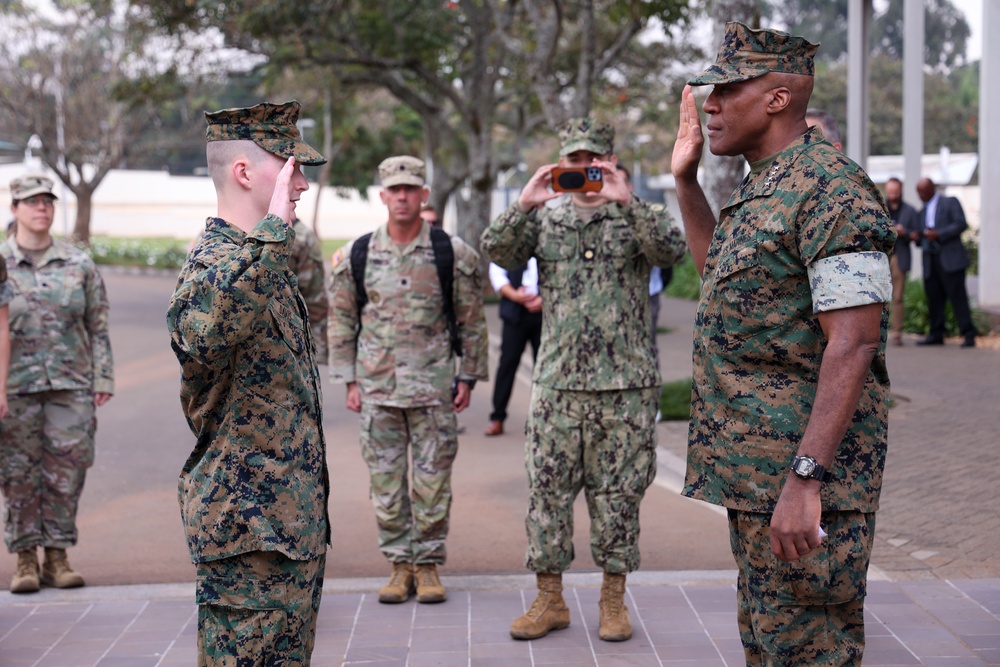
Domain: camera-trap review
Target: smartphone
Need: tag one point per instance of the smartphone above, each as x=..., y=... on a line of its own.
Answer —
x=577, y=179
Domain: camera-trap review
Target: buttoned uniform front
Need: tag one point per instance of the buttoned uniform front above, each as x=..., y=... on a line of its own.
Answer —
x=60, y=357
x=805, y=232
x=593, y=406
x=398, y=352
x=257, y=477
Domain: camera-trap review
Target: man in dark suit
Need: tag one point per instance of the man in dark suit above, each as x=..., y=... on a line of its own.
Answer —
x=905, y=218
x=941, y=223
x=521, y=312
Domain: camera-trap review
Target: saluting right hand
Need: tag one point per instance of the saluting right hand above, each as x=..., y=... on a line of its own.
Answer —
x=690, y=140
x=282, y=204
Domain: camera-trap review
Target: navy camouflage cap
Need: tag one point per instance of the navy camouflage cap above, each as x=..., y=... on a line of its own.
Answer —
x=401, y=170
x=747, y=54
x=270, y=126
x=586, y=134
x=23, y=187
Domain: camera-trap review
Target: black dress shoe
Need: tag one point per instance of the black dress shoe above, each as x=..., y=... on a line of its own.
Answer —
x=931, y=340
x=970, y=341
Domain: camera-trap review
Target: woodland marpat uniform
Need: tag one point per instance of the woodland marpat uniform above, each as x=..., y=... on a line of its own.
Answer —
x=257, y=478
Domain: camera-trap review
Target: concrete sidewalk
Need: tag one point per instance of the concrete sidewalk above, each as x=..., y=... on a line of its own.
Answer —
x=679, y=619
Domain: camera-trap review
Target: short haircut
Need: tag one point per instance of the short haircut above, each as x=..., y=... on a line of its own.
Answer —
x=622, y=168
x=831, y=128
x=894, y=179
x=222, y=154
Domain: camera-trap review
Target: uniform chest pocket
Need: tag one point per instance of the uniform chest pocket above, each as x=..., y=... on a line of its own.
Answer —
x=556, y=243
x=619, y=242
x=747, y=295
x=290, y=324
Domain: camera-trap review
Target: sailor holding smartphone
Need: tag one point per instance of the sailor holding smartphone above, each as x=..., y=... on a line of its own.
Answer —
x=592, y=417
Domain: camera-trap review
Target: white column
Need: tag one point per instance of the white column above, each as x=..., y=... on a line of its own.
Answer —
x=913, y=105
x=989, y=158
x=859, y=20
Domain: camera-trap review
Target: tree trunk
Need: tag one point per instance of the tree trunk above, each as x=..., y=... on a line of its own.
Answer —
x=84, y=204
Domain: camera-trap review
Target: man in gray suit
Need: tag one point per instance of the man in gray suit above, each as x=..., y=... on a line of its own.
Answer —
x=941, y=223
x=904, y=217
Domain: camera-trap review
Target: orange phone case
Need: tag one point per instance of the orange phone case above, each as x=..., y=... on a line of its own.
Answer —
x=577, y=179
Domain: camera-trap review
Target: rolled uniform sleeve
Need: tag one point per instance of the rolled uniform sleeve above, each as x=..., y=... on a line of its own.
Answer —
x=853, y=279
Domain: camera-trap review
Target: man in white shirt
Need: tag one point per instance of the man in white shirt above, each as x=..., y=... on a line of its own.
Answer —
x=521, y=312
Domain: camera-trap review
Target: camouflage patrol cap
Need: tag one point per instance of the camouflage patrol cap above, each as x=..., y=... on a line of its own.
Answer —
x=23, y=187
x=270, y=126
x=586, y=134
x=401, y=170
x=747, y=54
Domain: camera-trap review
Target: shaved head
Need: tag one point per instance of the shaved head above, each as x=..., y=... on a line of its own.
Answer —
x=222, y=154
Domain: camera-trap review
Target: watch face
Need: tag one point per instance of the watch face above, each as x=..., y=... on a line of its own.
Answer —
x=805, y=467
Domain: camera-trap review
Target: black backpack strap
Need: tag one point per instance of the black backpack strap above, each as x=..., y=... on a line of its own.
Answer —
x=444, y=259
x=359, y=259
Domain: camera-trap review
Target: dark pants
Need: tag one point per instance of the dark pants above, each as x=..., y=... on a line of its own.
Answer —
x=943, y=285
x=514, y=339
x=258, y=608
x=809, y=611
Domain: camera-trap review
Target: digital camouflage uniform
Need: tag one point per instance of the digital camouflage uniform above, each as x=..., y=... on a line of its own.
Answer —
x=253, y=492
x=60, y=357
x=592, y=418
x=306, y=262
x=806, y=232
x=399, y=353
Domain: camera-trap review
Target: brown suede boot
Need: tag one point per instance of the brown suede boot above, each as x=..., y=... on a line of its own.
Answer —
x=548, y=612
x=57, y=572
x=615, y=624
x=26, y=576
x=400, y=585
x=429, y=588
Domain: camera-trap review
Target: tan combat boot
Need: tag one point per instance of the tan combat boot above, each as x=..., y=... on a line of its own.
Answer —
x=400, y=584
x=26, y=576
x=615, y=624
x=57, y=572
x=429, y=588
x=548, y=612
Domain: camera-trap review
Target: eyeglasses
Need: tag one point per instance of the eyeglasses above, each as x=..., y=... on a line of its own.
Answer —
x=40, y=200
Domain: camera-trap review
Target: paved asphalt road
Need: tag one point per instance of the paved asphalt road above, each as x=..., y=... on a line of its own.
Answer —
x=129, y=520
x=939, y=516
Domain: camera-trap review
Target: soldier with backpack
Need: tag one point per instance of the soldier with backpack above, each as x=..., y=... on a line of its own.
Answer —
x=408, y=338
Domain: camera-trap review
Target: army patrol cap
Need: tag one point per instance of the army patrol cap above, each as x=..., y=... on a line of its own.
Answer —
x=586, y=134
x=747, y=54
x=401, y=170
x=270, y=126
x=33, y=184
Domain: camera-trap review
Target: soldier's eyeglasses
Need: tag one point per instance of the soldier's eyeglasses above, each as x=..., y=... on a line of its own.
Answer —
x=39, y=200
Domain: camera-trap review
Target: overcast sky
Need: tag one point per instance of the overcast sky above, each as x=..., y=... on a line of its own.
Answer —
x=973, y=10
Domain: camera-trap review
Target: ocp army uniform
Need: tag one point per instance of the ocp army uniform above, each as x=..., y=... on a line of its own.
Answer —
x=398, y=351
x=254, y=490
x=306, y=262
x=60, y=357
x=593, y=406
x=806, y=232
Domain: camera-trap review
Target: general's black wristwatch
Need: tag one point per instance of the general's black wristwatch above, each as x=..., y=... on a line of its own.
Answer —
x=807, y=468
